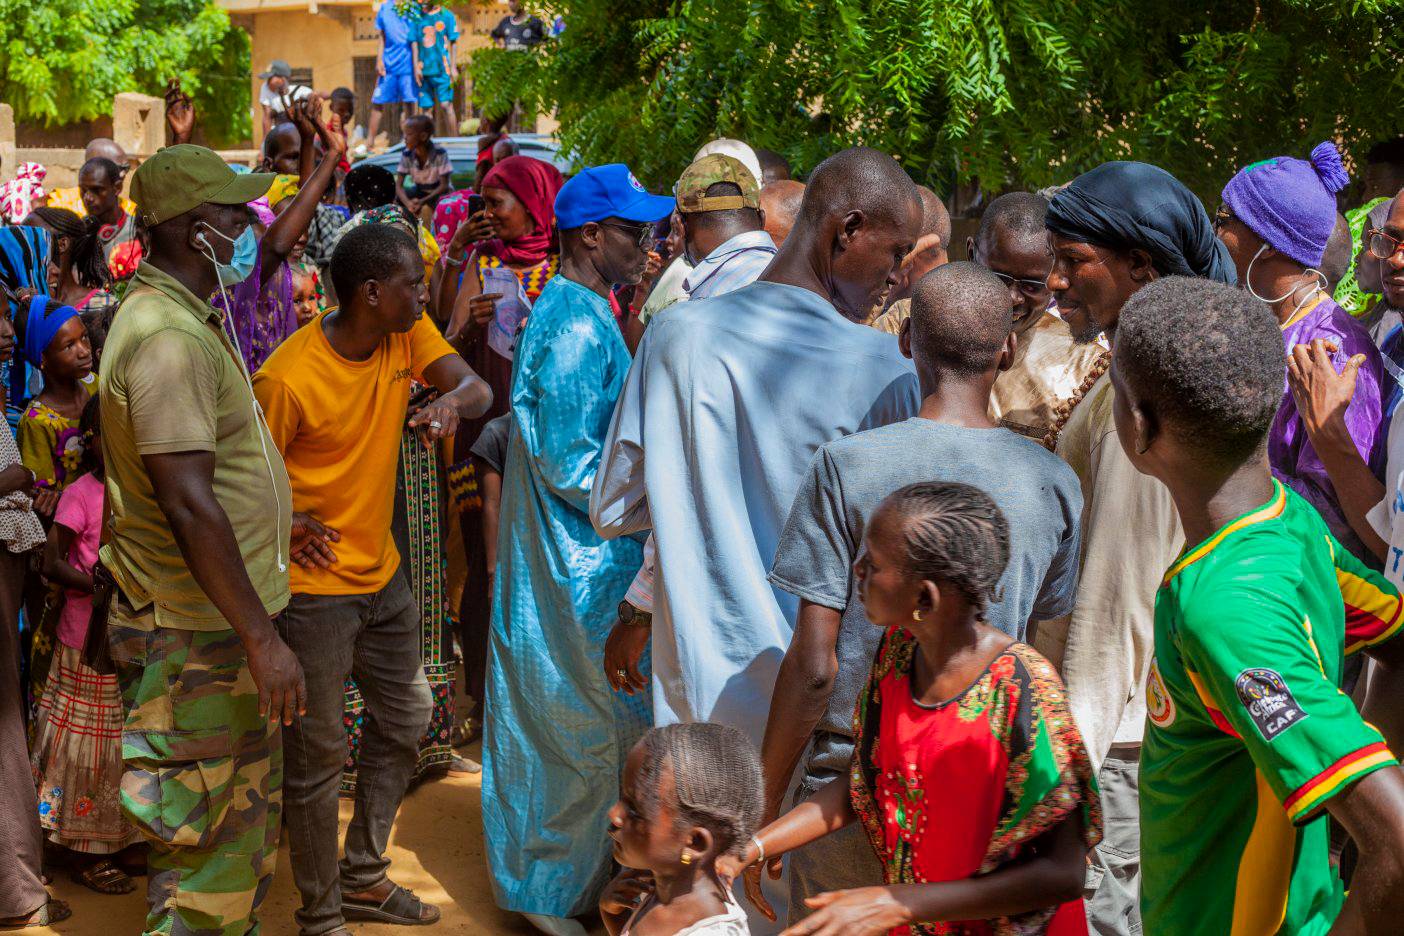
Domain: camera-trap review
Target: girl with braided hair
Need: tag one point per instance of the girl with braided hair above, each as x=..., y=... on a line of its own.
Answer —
x=78, y=272
x=690, y=796
x=968, y=774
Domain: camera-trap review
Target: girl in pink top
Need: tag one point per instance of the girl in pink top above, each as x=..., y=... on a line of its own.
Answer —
x=77, y=758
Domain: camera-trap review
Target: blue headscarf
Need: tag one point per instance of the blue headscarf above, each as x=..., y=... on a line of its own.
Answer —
x=36, y=331
x=1134, y=205
x=24, y=264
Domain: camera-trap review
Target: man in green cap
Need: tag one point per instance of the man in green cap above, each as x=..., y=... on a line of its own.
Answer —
x=723, y=226
x=198, y=548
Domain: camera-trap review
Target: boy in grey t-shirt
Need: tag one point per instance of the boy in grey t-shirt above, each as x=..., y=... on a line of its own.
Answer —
x=960, y=337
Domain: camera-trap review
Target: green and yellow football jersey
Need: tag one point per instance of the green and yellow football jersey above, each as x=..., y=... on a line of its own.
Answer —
x=1249, y=734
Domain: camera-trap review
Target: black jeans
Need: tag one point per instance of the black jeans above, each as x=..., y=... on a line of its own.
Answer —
x=374, y=637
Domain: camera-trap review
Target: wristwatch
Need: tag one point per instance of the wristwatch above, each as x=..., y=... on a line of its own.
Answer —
x=633, y=617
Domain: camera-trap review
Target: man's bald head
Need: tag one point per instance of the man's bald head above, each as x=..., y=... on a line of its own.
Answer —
x=861, y=214
x=1021, y=214
x=860, y=179
x=103, y=148
x=781, y=203
x=935, y=219
x=961, y=319
x=1336, y=260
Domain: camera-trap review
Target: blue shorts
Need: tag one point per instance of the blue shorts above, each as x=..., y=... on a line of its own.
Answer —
x=395, y=89
x=434, y=87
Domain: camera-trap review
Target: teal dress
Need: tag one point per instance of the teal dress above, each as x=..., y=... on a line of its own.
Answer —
x=555, y=735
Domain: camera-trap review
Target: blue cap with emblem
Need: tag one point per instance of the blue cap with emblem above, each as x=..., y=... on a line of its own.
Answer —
x=607, y=192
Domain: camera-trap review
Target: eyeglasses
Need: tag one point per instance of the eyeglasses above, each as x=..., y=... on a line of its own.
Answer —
x=1031, y=288
x=643, y=232
x=1381, y=245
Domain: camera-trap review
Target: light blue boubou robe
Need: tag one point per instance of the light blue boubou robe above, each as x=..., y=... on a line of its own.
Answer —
x=555, y=735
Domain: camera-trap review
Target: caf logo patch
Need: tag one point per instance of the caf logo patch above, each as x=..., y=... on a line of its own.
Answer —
x=1268, y=701
x=635, y=183
x=1160, y=707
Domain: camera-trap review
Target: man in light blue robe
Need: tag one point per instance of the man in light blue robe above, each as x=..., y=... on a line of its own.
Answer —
x=726, y=404
x=555, y=735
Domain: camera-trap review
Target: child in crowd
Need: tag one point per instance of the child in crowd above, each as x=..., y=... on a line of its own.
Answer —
x=422, y=177
x=55, y=341
x=436, y=63
x=968, y=773
x=343, y=106
x=77, y=751
x=690, y=796
x=1248, y=733
x=305, y=304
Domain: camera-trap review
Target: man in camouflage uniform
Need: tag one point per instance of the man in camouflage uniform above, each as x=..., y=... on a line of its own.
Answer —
x=198, y=545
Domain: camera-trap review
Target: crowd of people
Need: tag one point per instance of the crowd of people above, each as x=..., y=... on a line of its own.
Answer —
x=782, y=556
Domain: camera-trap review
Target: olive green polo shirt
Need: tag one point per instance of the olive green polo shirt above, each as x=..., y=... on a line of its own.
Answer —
x=171, y=381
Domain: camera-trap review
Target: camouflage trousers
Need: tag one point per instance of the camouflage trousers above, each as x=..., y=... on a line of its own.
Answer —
x=202, y=774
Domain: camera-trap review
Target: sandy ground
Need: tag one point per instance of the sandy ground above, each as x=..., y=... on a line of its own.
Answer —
x=436, y=848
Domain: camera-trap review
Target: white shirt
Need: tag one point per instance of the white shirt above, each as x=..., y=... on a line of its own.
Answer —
x=736, y=263
x=274, y=100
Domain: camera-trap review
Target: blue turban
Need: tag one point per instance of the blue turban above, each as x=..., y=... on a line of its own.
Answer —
x=43, y=321
x=1134, y=205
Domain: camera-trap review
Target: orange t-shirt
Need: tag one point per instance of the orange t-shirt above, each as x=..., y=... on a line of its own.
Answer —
x=338, y=424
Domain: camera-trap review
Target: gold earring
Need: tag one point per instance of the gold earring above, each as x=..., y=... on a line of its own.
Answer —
x=916, y=615
x=686, y=858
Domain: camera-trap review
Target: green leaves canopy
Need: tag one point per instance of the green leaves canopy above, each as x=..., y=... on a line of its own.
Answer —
x=63, y=60
x=995, y=93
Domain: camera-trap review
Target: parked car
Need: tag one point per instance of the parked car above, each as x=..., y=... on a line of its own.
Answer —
x=463, y=153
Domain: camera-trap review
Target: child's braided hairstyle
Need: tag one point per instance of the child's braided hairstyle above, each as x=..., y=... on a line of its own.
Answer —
x=954, y=533
x=716, y=779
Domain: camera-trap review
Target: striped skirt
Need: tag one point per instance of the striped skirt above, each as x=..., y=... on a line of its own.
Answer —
x=77, y=758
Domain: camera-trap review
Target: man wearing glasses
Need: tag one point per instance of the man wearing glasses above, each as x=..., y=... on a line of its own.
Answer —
x=553, y=726
x=1275, y=220
x=1049, y=368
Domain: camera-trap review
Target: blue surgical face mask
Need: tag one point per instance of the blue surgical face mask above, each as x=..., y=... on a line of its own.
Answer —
x=241, y=264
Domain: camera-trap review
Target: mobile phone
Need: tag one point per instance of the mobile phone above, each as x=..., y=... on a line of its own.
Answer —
x=476, y=205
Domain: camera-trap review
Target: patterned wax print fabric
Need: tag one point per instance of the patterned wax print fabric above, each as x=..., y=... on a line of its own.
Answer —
x=556, y=736
x=434, y=32
x=963, y=788
x=260, y=315
x=1248, y=734
x=51, y=445
x=1293, y=458
x=418, y=531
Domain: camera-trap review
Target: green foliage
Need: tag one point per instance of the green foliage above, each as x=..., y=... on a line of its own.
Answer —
x=63, y=60
x=998, y=93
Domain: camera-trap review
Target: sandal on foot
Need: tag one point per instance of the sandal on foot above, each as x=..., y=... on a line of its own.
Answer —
x=468, y=732
x=53, y=911
x=464, y=767
x=104, y=877
x=401, y=907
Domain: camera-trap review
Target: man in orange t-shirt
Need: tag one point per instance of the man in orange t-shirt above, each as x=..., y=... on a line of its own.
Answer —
x=335, y=395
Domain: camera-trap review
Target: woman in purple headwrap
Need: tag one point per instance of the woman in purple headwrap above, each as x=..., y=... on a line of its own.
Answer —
x=1275, y=219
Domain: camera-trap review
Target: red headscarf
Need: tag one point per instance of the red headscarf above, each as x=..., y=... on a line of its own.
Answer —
x=535, y=184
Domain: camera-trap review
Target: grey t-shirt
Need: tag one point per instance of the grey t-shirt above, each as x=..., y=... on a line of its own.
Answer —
x=849, y=477
x=491, y=446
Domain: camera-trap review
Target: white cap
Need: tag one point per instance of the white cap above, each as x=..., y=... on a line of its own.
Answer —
x=736, y=150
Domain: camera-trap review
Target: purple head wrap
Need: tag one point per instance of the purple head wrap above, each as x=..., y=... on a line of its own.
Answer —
x=1291, y=203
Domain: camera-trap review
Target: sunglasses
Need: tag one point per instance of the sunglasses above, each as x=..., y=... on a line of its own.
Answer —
x=642, y=232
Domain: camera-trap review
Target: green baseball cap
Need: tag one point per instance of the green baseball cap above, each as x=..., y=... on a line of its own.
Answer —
x=692, y=188
x=182, y=177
